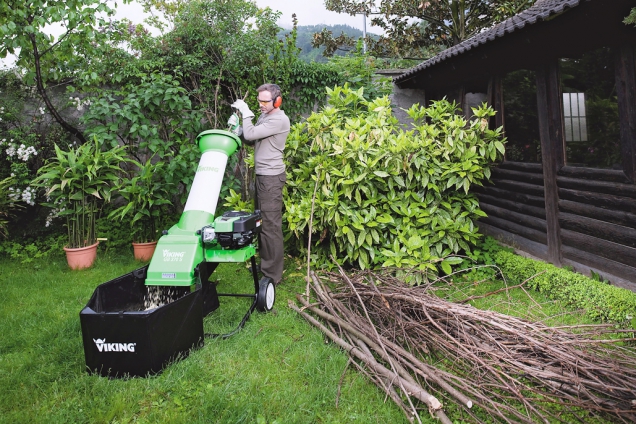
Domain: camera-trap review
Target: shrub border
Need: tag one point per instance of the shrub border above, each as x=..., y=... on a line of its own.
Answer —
x=600, y=300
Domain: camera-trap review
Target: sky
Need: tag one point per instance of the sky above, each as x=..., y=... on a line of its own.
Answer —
x=308, y=12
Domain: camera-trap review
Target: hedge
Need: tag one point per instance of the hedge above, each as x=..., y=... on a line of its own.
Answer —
x=600, y=300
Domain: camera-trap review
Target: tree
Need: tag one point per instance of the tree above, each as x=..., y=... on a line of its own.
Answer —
x=220, y=49
x=46, y=59
x=631, y=18
x=419, y=28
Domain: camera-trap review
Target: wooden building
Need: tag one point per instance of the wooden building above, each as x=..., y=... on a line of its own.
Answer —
x=561, y=76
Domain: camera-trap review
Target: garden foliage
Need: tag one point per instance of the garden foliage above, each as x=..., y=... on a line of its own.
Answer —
x=20, y=144
x=151, y=116
x=78, y=183
x=146, y=202
x=152, y=94
x=221, y=51
x=8, y=205
x=46, y=60
x=416, y=29
x=385, y=196
x=601, y=301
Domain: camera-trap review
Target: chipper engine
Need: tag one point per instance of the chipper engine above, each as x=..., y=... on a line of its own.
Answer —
x=137, y=323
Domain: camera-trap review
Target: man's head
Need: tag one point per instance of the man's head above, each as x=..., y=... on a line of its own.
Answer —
x=269, y=97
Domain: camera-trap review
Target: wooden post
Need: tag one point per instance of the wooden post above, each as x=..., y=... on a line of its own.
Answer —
x=626, y=90
x=497, y=100
x=552, y=151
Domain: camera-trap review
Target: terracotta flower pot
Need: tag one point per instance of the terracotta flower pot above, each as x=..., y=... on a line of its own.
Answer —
x=144, y=251
x=81, y=257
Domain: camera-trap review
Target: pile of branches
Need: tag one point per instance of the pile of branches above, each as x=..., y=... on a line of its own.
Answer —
x=424, y=351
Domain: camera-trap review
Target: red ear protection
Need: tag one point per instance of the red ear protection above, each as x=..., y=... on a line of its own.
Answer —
x=278, y=101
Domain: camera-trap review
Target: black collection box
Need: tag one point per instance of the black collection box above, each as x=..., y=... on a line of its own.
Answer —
x=122, y=339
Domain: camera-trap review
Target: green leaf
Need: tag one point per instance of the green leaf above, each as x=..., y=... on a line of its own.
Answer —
x=362, y=237
x=446, y=267
x=453, y=260
x=352, y=238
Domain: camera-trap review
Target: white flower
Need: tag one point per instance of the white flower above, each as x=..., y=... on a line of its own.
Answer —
x=26, y=198
x=14, y=194
x=24, y=153
x=51, y=215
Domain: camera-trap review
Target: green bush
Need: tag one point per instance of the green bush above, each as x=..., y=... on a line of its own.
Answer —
x=601, y=301
x=146, y=201
x=29, y=250
x=77, y=183
x=385, y=196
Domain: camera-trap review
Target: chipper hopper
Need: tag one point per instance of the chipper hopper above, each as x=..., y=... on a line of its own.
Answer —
x=137, y=323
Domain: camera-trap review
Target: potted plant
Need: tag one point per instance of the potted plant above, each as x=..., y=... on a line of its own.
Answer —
x=78, y=182
x=146, y=196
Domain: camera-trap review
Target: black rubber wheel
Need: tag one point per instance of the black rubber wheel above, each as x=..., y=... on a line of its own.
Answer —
x=266, y=295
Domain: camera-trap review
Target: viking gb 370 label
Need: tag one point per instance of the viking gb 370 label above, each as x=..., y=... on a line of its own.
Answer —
x=169, y=256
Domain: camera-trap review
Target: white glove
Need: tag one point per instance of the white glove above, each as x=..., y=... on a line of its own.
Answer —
x=242, y=107
x=234, y=125
x=233, y=121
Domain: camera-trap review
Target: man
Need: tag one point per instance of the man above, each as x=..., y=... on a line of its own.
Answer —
x=268, y=137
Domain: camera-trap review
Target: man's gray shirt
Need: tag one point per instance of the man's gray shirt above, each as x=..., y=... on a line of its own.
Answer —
x=269, y=135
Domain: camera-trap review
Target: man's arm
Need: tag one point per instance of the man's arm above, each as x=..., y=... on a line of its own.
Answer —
x=268, y=128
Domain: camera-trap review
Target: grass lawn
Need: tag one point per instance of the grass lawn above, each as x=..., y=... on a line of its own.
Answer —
x=278, y=369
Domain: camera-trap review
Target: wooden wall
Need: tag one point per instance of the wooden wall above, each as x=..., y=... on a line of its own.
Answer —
x=581, y=217
x=515, y=205
x=597, y=215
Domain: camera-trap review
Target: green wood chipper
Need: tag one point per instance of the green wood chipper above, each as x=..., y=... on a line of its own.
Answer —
x=137, y=323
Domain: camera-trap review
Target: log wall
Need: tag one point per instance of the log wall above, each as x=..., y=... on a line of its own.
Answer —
x=581, y=217
x=515, y=204
x=596, y=216
x=598, y=222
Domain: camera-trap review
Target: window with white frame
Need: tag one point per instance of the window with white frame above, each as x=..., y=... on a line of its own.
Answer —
x=574, y=117
x=591, y=124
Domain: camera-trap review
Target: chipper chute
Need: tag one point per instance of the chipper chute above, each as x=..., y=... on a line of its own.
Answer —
x=137, y=323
